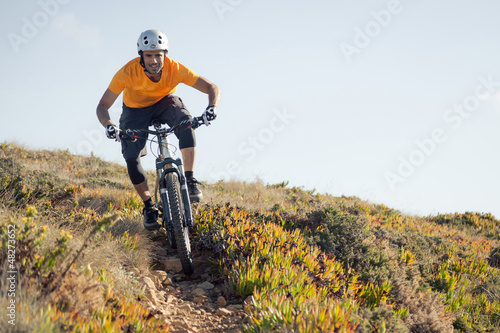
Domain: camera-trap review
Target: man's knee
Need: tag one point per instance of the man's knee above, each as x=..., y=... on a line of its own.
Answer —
x=135, y=171
x=187, y=139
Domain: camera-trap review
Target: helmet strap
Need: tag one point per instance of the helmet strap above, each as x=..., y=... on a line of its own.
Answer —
x=142, y=60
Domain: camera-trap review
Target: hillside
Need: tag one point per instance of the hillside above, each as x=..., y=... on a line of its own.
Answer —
x=75, y=258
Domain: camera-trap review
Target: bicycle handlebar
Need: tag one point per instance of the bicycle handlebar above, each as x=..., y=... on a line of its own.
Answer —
x=131, y=134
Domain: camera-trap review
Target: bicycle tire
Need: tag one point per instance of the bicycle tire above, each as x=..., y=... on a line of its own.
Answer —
x=181, y=230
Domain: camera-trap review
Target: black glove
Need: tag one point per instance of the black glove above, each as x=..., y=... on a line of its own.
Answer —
x=112, y=132
x=209, y=114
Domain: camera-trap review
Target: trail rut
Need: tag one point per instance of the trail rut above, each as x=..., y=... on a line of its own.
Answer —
x=194, y=303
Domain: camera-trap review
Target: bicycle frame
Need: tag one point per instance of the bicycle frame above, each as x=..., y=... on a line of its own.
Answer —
x=167, y=163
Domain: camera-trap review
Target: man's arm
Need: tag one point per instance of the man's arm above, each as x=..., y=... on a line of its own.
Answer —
x=105, y=103
x=208, y=88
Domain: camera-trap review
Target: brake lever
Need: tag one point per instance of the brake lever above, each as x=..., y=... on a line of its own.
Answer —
x=128, y=135
x=195, y=123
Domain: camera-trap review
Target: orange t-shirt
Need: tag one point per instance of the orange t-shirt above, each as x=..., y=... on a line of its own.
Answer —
x=139, y=91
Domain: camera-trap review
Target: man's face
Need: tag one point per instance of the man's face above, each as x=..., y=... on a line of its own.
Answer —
x=154, y=60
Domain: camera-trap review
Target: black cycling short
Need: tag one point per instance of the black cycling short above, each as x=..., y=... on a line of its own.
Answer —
x=169, y=110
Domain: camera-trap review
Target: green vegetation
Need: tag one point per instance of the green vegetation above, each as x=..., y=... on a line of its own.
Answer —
x=301, y=261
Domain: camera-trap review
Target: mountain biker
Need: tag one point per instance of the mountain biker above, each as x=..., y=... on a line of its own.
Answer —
x=147, y=83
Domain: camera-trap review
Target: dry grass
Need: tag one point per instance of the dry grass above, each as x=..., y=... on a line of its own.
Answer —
x=82, y=192
x=261, y=197
x=254, y=196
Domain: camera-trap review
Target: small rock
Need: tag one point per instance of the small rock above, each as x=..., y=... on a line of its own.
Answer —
x=249, y=300
x=170, y=299
x=178, y=278
x=199, y=299
x=199, y=292
x=221, y=301
x=180, y=323
x=160, y=274
x=156, y=281
x=162, y=311
x=184, y=284
x=151, y=291
x=184, y=307
x=222, y=312
x=167, y=282
x=235, y=307
x=148, y=283
x=160, y=277
x=173, y=265
x=206, y=285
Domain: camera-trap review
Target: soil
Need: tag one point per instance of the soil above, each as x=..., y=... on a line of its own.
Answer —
x=196, y=303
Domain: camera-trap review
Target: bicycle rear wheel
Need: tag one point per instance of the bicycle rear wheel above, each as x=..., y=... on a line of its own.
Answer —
x=181, y=231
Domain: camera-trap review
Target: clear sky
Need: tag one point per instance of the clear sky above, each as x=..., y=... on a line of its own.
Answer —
x=396, y=102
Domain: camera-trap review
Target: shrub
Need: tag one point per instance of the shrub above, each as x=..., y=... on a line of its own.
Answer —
x=342, y=235
x=425, y=309
x=350, y=240
x=494, y=258
x=27, y=187
x=380, y=319
x=479, y=222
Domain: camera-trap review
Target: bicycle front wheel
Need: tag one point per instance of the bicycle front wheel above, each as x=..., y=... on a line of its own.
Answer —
x=181, y=230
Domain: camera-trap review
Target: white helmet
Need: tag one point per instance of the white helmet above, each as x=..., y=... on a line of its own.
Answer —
x=152, y=40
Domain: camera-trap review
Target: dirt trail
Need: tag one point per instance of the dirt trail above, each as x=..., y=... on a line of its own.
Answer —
x=190, y=304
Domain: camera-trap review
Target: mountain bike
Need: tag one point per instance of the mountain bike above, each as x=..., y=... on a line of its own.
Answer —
x=171, y=187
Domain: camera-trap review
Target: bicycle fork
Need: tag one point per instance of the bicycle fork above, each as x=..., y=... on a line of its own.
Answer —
x=163, y=167
x=166, y=163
